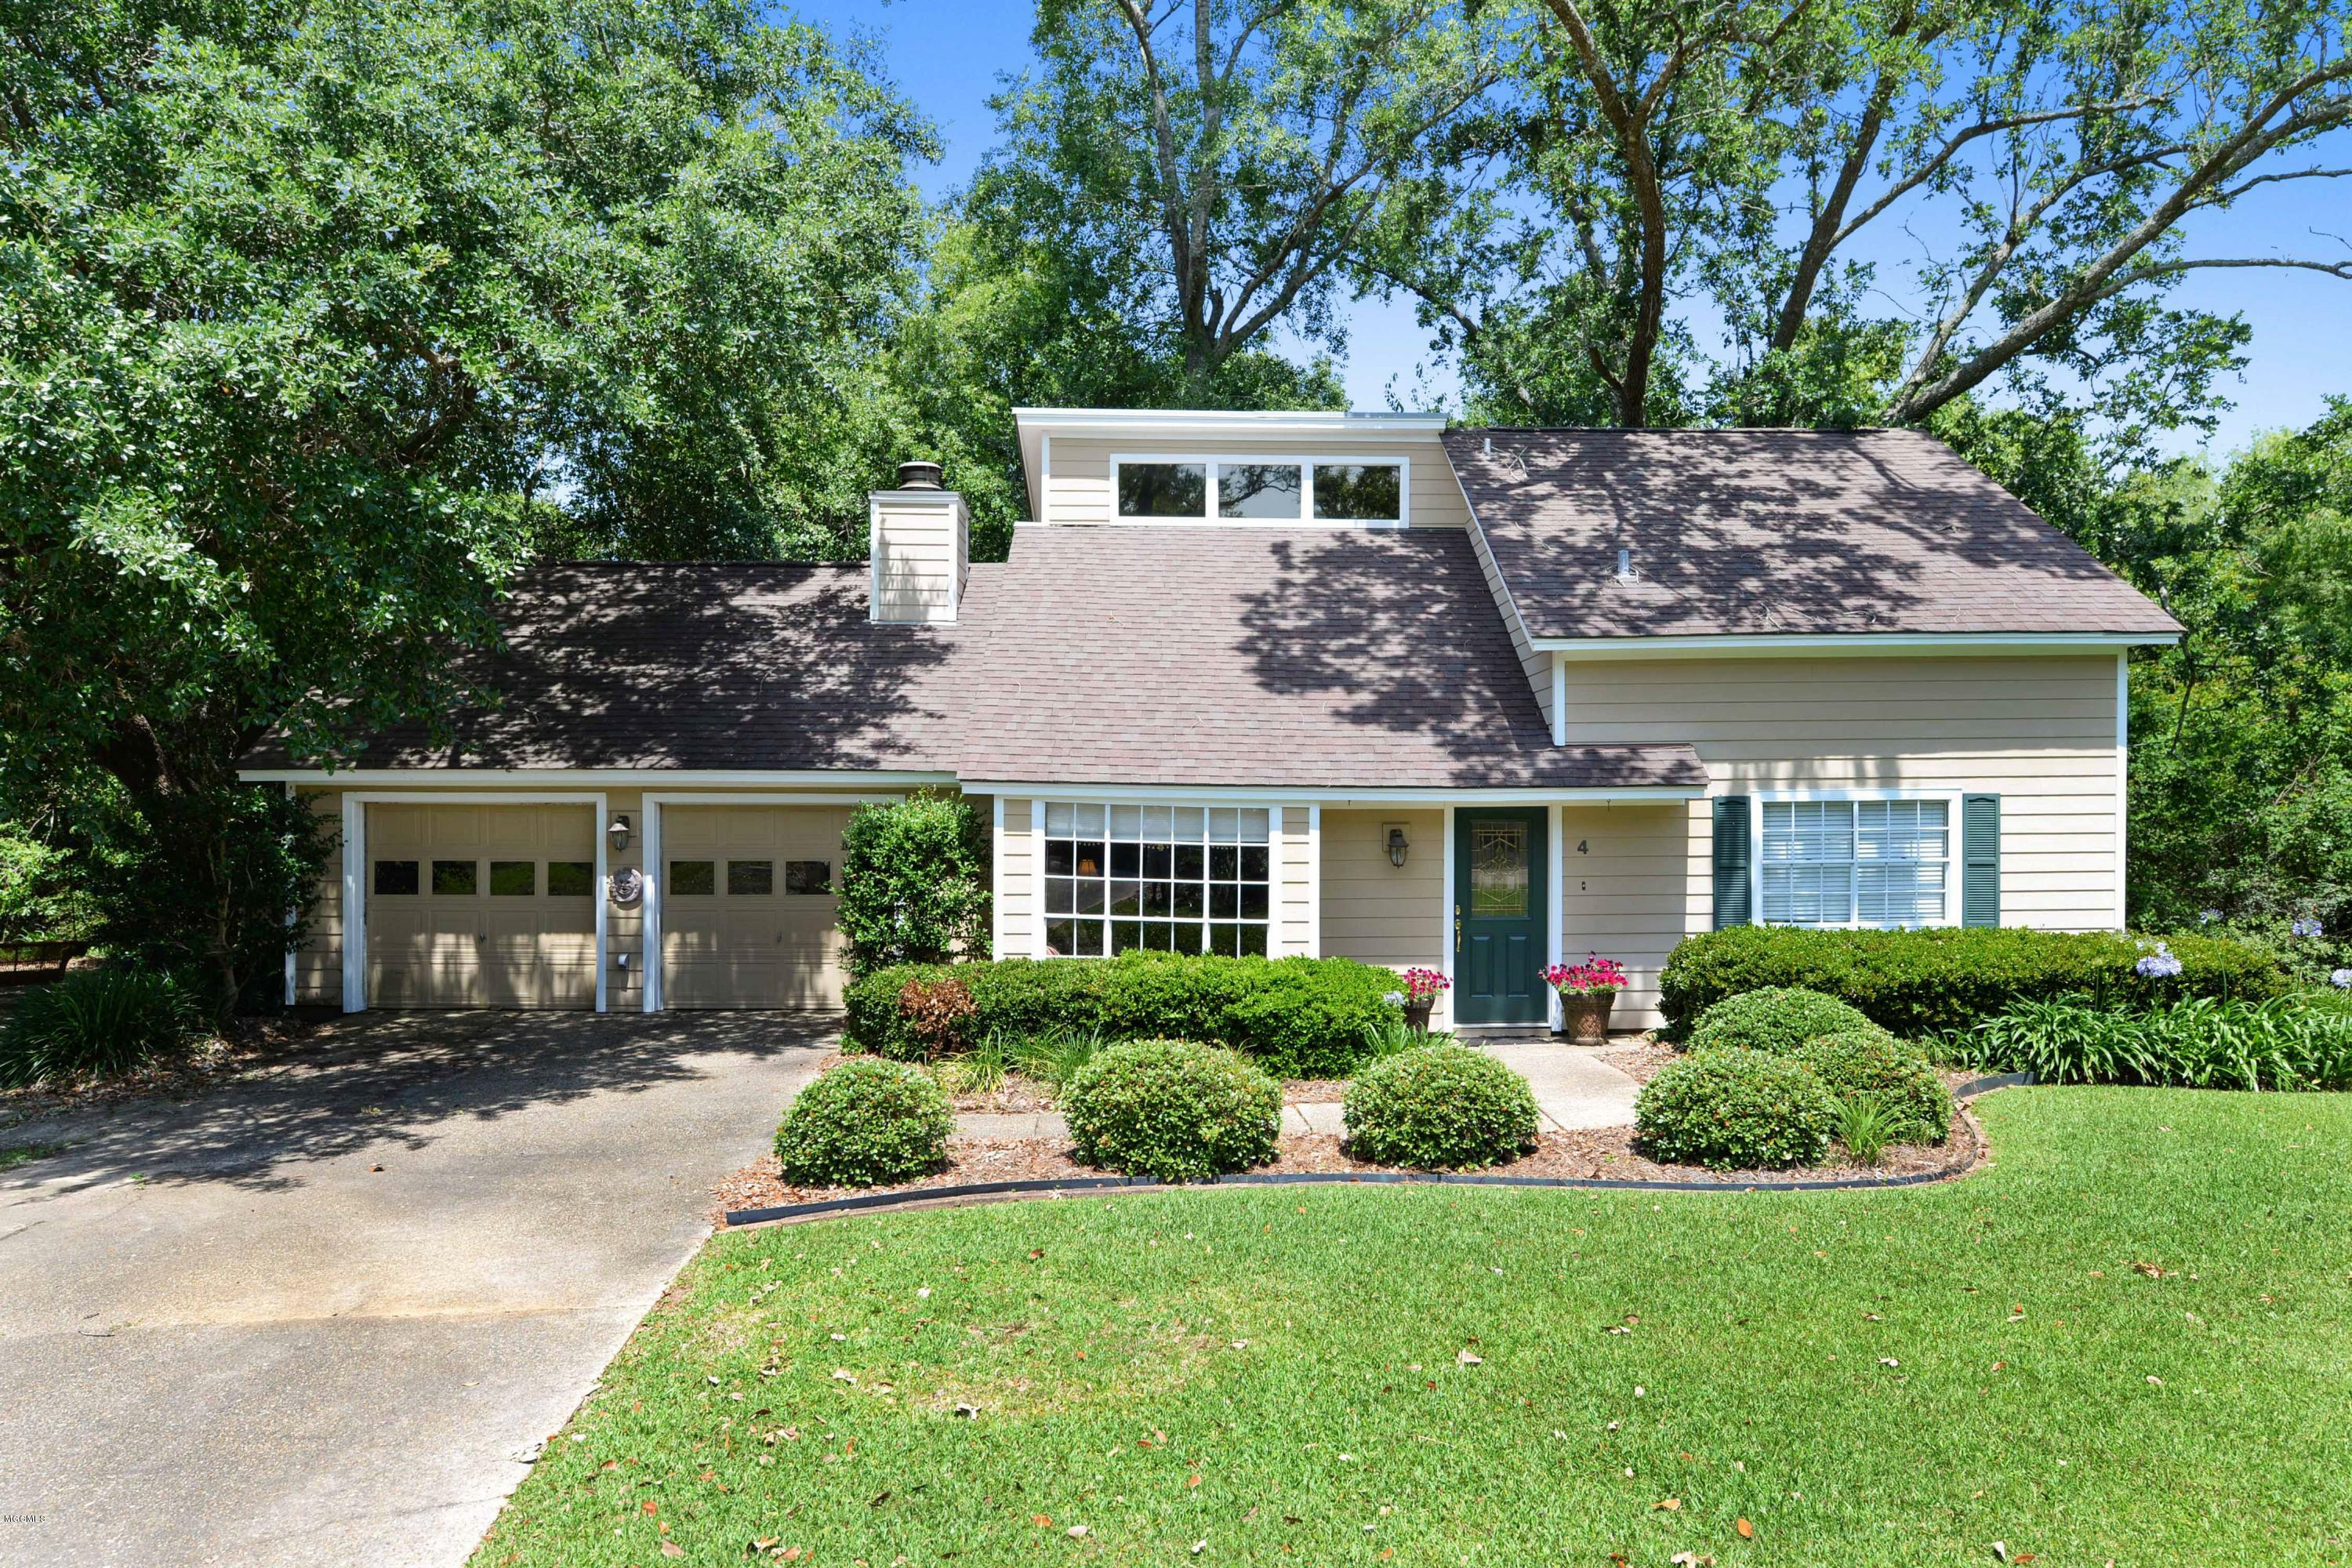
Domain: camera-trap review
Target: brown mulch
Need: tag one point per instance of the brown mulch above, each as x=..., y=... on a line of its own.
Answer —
x=1605, y=1154
x=249, y=1045
x=1639, y=1058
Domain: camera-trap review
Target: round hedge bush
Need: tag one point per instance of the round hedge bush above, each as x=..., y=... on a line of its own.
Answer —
x=1777, y=1020
x=1440, y=1107
x=1736, y=1110
x=865, y=1122
x=1856, y=1066
x=1172, y=1110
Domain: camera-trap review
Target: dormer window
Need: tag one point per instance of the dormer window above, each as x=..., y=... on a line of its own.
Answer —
x=1364, y=493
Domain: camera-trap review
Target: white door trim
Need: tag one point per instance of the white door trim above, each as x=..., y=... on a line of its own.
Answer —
x=355, y=805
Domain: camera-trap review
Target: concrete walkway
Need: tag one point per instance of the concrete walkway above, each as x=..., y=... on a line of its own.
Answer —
x=1574, y=1089
x=315, y=1318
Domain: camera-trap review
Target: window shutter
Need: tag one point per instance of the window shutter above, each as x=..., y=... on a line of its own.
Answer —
x=1980, y=861
x=1731, y=842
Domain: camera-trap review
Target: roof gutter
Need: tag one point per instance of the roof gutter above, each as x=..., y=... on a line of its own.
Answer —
x=610, y=778
x=1832, y=642
x=1333, y=795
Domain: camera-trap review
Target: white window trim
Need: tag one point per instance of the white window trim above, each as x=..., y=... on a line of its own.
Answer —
x=1274, y=867
x=1953, y=855
x=1306, y=518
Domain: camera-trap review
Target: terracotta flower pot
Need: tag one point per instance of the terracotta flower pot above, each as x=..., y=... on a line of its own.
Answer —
x=1585, y=1018
x=1417, y=1012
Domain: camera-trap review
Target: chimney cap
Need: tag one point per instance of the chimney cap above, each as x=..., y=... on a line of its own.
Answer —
x=918, y=475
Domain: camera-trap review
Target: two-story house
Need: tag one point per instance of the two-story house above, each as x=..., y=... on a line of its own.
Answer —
x=1294, y=683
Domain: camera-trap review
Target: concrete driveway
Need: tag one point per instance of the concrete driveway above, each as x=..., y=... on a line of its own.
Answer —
x=226, y=1337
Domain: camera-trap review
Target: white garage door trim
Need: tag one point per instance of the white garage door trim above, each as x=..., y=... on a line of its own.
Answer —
x=355, y=805
x=651, y=925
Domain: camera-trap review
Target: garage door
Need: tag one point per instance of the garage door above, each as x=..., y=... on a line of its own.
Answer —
x=481, y=906
x=748, y=906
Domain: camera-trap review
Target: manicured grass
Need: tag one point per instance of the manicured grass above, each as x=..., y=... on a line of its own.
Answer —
x=1906, y=1376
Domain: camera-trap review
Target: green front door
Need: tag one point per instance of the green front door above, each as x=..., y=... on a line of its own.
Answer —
x=1499, y=898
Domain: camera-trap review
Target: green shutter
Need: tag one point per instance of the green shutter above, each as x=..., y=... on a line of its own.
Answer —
x=1731, y=840
x=1980, y=861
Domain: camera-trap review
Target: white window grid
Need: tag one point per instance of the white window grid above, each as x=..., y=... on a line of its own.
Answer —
x=1174, y=878
x=1305, y=465
x=1857, y=859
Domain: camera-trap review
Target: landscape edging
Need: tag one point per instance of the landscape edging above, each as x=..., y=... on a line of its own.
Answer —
x=790, y=1214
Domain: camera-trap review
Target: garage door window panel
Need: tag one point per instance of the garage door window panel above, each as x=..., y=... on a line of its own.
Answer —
x=571, y=878
x=396, y=878
x=808, y=878
x=514, y=878
x=751, y=879
x=693, y=879
x=455, y=879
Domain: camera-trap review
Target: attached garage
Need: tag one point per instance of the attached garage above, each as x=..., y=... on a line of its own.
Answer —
x=748, y=906
x=481, y=906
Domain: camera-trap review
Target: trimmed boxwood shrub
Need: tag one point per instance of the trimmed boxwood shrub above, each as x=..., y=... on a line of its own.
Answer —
x=1935, y=981
x=1171, y=1110
x=1870, y=1064
x=1440, y=1107
x=1775, y=1020
x=1298, y=1017
x=865, y=1122
x=1736, y=1110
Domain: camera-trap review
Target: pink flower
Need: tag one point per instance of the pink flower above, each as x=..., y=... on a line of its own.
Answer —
x=1596, y=976
x=1420, y=983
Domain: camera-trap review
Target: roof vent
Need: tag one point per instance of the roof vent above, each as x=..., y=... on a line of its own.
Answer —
x=1490, y=446
x=918, y=475
x=1625, y=567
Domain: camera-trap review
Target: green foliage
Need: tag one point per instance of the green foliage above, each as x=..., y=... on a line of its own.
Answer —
x=41, y=898
x=1440, y=1107
x=1392, y=1037
x=914, y=883
x=1923, y=982
x=2288, y=1043
x=1736, y=1109
x=982, y=1070
x=1055, y=1055
x=1865, y=1126
x=865, y=1123
x=1174, y=1111
x=1775, y=1020
x=1867, y=1064
x=1299, y=1018
x=98, y=1024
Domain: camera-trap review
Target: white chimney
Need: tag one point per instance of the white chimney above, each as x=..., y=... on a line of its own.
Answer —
x=919, y=550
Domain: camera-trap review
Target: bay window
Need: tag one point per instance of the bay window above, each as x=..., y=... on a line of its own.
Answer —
x=1163, y=879
x=1855, y=862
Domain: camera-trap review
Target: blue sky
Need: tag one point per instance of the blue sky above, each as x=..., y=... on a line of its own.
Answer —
x=949, y=55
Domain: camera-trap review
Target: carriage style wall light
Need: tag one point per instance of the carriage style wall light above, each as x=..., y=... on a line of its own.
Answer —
x=1397, y=844
x=619, y=832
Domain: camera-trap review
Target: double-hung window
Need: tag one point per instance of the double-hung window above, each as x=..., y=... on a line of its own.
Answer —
x=1165, y=879
x=1856, y=862
x=1370, y=491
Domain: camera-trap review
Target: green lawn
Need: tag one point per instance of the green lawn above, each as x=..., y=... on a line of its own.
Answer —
x=1891, y=1377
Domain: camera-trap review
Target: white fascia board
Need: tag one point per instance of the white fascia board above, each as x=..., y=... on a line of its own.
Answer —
x=1189, y=421
x=1810, y=646
x=947, y=501
x=605, y=778
x=1331, y=796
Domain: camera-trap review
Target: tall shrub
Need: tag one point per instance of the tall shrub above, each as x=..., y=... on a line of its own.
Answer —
x=914, y=883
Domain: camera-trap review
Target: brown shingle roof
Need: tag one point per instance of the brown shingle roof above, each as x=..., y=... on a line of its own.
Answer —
x=1260, y=656
x=633, y=665
x=1774, y=531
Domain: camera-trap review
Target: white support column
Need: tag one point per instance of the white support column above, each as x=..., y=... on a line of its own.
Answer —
x=1037, y=878
x=649, y=983
x=2123, y=777
x=1445, y=923
x=604, y=899
x=1555, y=907
x=1314, y=881
x=354, y=904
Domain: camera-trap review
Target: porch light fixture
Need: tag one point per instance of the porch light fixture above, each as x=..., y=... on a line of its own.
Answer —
x=619, y=832
x=1397, y=845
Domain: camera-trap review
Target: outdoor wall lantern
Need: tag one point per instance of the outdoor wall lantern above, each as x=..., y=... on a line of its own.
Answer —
x=619, y=831
x=1397, y=845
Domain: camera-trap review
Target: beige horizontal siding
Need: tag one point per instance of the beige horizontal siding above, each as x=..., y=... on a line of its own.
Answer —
x=1077, y=481
x=1016, y=883
x=2038, y=732
x=318, y=962
x=1294, y=891
x=917, y=561
x=1373, y=911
